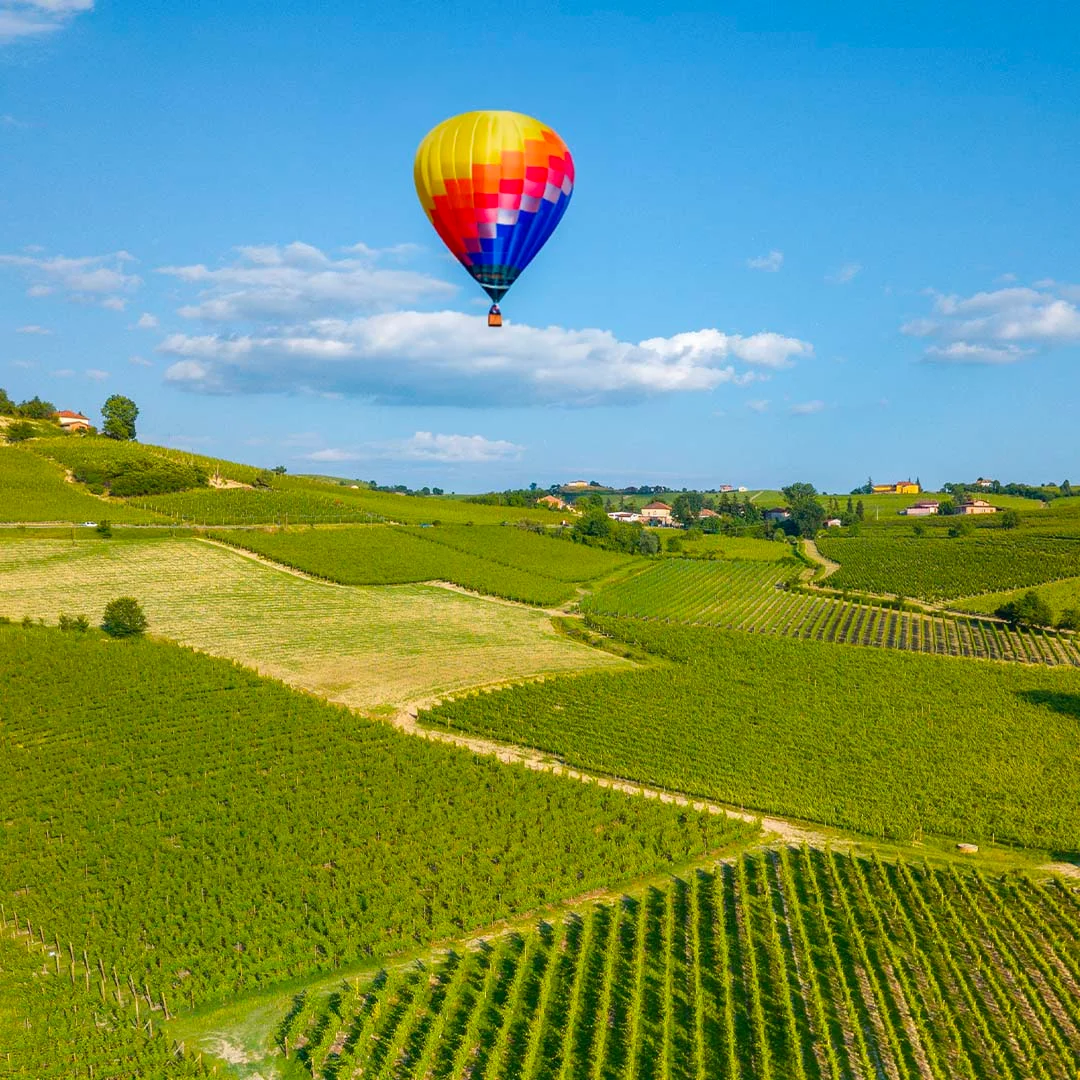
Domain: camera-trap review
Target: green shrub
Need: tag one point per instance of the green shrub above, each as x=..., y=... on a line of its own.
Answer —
x=124, y=618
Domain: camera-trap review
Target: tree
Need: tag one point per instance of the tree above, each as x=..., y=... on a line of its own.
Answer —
x=19, y=431
x=119, y=413
x=1030, y=610
x=860, y=510
x=124, y=618
x=36, y=409
x=946, y=507
x=1070, y=619
x=104, y=529
x=685, y=508
x=1010, y=519
x=1066, y=488
x=807, y=513
x=7, y=406
x=648, y=543
x=279, y=469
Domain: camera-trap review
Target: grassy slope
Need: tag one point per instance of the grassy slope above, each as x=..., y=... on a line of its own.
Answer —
x=881, y=742
x=33, y=489
x=207, y=831
x=1058, y=594
x=361, y=647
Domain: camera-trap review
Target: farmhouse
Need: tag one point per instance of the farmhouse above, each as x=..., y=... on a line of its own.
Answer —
x=921, y=509
x=552, y=501
x=983, y=483
x=777, y=513
x=656, y=513
x=833, y=523
x=901, y=487
x=976, y=506
x=73, y=421
x=625, y=516
x=705, y=512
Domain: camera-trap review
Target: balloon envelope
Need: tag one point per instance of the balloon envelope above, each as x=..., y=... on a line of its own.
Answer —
x=494, y=184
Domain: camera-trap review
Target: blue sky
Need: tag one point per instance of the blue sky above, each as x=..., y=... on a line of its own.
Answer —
x=819, y=242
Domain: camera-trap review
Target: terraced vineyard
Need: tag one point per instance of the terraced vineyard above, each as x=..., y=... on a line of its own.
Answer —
x=800, y=965
x=502, y=561
x=941, y=568
x=750, y=596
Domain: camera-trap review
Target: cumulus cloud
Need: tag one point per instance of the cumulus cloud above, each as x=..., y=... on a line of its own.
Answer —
x=140, y=361
x=32, y=329
x=146, y=321
x=298, y=281
x=759, y=405
x=96, y=374
x=847, y=273
x=97, y=279
x=425, y=446
x=21, y=19
x=769, y=263
x=806, y=408
x=447, y=357
x=1000, y=326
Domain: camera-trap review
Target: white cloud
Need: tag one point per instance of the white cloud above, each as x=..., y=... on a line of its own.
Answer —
x=847, y=273
x=425, y=446
x=146, y=321
x=806, y=408
x=96, y=374
x=769, y=263
x=428, y=446
x=963, y=352
x=98, y=279
x=999, y=326
x=63, y=373
x=298, y=281
x=32, y=329
x=25, y=365
x=451, y=358
x=140, y=361
x=759, y=405
x=35, y=18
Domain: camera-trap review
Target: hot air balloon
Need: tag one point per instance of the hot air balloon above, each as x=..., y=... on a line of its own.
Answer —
x=494, y=185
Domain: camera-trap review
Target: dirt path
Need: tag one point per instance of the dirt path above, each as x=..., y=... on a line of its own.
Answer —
x=814, y=555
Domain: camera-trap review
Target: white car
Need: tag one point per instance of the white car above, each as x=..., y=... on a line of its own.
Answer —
x=89, y=524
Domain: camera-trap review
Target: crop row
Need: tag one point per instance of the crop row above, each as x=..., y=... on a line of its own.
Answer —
x=750, y=597
x=943, y=569
x=877, y=740
x=801, y=965
x=205, y=830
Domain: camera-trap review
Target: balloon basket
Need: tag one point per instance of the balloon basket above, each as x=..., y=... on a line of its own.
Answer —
x=494, y=316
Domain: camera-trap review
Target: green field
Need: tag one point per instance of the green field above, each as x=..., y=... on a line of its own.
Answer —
x=207, y=831
x=730, y=547
x=503, y=561
x=753, y=597
x=253, y=506
x=1058, y=594
x=362, y=647
x=780, y=965
x=33, y=489
x=887, y=743
x=939, y=568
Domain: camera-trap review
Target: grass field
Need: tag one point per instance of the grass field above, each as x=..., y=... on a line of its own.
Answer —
x=360, y=647
x=750, y=596
x=33, y=489
x=781, y=965
x=502, y=561
x=887, y=743
x=939, y=568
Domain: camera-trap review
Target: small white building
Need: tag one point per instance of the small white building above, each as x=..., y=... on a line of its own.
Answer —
x=625, y=516
x=73, y=421
x=833, y=523
x=921, y=509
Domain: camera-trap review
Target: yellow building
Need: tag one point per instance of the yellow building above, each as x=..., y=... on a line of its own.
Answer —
x=903, y=487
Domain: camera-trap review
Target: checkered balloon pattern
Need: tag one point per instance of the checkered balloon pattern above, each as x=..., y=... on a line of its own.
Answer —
x=494, y=185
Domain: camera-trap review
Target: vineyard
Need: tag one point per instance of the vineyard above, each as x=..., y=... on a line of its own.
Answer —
x=942, y=568
x=1060, y=595
x=254, y=506
x=203, y=831
x=360, y=647
x=33, y=489
x=502, y=561
x=751, y=597
x=783, y=965
x=875, y=740
x=733, y=547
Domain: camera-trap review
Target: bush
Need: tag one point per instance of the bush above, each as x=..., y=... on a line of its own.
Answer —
x=1030, y=610
x=19, y=431
x=78, y=623
x=1070, y=619
x=124, y=618
x=104, y=529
